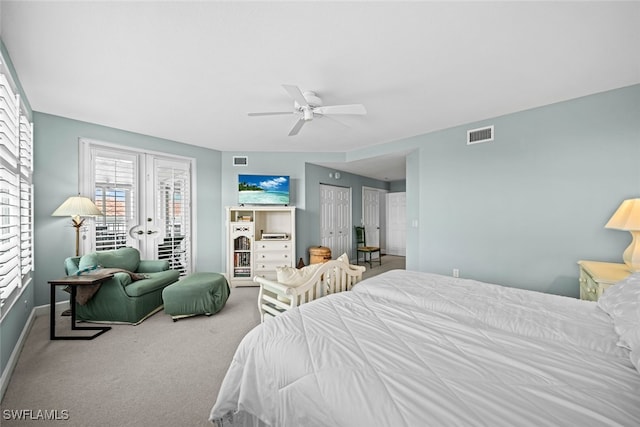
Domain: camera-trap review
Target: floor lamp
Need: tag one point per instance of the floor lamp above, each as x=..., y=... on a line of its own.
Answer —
x=77, y=207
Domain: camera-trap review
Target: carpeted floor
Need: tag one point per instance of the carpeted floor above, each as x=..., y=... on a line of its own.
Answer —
x=159, y=373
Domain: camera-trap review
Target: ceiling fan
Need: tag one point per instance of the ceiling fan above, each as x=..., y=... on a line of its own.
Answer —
x=308, y=105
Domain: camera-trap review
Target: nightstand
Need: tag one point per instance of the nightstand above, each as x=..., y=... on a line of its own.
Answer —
x=597, y=276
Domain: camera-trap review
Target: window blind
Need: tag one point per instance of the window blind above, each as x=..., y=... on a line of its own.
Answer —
x=173, y=208
x=115, y=177
x=16, y=194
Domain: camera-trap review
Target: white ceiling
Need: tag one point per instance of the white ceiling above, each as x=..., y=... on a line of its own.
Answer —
x=191, y=71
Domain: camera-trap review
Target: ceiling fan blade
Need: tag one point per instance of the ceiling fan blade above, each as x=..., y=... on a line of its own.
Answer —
x=296, y=128
x=334, y=120
x=274, y=113
x=295, y=93
x=341, y=109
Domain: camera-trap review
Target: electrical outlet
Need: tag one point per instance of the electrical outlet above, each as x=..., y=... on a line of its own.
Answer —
x=456, y=272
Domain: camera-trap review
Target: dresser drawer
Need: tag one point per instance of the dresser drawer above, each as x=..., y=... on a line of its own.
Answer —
x=270, y=254
x=588, y=287
x=267, y=274
x=277, y=257
x=268, y=269
x=273, y=245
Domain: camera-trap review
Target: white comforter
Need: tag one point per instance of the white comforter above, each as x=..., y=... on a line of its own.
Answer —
x=416, y=349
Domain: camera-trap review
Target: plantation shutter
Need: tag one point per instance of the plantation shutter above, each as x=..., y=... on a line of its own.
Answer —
x=115, y=183
x=26, y=196
x=173, y=209
x=16, y=207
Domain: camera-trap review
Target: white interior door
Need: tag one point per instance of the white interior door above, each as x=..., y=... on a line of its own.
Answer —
x=373, y=216
x=396, y=224
x=327, y=216
x=146, y=201
x=342, y=222
x=335, y=219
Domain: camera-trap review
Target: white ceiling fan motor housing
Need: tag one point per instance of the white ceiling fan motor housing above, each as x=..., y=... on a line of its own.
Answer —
x=313, y=100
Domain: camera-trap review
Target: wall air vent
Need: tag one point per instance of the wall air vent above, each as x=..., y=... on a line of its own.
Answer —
x=475, y=136
x=240, y=160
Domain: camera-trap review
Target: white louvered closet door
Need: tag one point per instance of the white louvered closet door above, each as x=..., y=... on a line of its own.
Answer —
x=335, y=219
x=146, y=201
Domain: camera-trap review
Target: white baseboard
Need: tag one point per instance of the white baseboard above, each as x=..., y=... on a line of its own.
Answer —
x=38, y=311
x=43, y=310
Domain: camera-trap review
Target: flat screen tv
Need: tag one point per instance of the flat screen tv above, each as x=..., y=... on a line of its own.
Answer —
x=263, y=190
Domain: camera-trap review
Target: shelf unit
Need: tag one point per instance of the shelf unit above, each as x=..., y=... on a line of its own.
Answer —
x=259, y=239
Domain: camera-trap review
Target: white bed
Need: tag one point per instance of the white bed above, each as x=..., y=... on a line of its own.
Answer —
x=412, y=349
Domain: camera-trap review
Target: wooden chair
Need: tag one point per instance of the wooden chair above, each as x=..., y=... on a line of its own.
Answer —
x=362, y=248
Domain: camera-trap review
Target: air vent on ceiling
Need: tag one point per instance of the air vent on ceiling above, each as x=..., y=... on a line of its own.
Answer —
x=240, y=160
x=484, y=134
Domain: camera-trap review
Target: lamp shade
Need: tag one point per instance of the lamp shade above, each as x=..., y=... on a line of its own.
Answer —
x=627, y=217
x=77, y=206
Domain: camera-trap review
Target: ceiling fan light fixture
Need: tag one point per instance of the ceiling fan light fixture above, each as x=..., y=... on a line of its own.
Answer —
x=307, y=113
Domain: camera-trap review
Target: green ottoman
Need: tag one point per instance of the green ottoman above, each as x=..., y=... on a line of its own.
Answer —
x=198, y=293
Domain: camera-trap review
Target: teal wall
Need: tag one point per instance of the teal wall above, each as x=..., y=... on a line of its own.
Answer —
x=56, y=178
x=305, y=188
x=316, y=175
x=412, y=259
x=398, y=186
x=523, y=209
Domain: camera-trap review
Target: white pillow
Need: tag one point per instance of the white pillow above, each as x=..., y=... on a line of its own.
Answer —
x=295, y=277
x=622, y=303
x=344, y=258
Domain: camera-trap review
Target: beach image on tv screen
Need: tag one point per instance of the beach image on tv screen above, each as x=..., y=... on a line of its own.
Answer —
x=263, y=190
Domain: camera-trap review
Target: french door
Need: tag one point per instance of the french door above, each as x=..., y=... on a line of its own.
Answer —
x=145, y=199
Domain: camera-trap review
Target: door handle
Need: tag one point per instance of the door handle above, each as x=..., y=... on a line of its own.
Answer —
x=139, y=232
x=151, y=232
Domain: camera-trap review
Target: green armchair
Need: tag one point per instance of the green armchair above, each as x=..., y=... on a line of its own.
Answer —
x=121, y=299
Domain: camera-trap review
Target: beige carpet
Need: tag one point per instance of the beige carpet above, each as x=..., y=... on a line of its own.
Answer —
x=159, y=373
x=389, y=262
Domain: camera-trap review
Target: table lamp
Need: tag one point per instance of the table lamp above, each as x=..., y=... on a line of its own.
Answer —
x=77, y=207
x=627, y=217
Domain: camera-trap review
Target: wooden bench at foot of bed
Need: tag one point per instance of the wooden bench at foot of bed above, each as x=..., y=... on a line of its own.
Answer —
x=333, y=276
